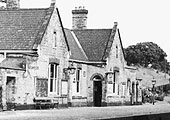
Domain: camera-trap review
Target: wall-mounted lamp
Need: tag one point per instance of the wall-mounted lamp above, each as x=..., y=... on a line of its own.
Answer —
x=71, y=69
x=153, y=82
x=110, y=74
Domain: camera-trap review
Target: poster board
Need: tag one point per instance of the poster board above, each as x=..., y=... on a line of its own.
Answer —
x=41, y=87
x=64, y=87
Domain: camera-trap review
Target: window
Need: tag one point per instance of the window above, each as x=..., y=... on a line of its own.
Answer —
x=54, y=86
x=116, y=51
x=128, y=86
x=10, y=89
x=115, y=77
x=78, y=80
x=55, y=38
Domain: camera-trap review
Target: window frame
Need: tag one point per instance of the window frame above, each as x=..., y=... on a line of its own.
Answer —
x=53, y=78
x=78, y=79
x=115, y=79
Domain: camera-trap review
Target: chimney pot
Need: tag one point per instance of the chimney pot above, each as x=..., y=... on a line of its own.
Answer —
x=116, y=23
x=53, y=1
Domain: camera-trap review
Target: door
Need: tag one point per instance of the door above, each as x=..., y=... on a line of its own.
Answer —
x=10, y=89
x=97, y=93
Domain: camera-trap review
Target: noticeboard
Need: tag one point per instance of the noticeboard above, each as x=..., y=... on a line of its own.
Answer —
x=41, y=87
x=64, y=87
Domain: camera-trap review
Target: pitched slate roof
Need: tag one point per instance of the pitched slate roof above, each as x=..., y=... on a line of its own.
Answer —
x=93, y=42
x=76, y=51
x=19, y=28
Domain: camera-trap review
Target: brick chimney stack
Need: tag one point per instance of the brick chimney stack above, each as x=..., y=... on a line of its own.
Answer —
x=79, y=18
x=12, y=4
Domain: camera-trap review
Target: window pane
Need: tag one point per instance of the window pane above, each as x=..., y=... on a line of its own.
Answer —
x=115, y=79
x=52, y=70
x=55, y=78
x=56, y=71
x=113, y=87
x=77, y=86
x=51, y=85
x=78, y=79
x=78, y=75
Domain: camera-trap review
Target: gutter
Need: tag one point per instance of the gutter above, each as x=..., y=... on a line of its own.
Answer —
x=87, y=62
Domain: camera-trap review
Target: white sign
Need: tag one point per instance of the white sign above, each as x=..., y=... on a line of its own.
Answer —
x=64, y=87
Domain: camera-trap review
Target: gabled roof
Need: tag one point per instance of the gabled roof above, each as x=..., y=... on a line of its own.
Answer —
x=23, y=29
x=77, y=52
x=93, y=42
x=19, y=28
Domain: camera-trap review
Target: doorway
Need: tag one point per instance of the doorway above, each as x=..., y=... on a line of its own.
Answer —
x=10, y=89
x=97, y=90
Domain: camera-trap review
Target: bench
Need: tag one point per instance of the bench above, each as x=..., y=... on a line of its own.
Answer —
x=45, y=102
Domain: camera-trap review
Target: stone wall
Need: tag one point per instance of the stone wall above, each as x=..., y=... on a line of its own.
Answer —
x=52, y=46
x=91, y=72
x=116, y=61
x=78, y=98
x=38, y=66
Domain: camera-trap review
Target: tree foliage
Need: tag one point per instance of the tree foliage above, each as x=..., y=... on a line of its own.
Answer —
x=146, y=54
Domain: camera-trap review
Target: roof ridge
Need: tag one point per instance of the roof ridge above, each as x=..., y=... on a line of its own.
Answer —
x=109, y=42
x=78, y=43
x=43, y=26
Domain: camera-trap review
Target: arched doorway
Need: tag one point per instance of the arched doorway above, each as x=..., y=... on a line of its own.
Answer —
x=97, y=89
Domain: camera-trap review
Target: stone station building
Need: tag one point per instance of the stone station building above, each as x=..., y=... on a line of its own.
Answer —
x=41, y=60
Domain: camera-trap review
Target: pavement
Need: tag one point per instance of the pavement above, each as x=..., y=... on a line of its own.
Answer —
x=87, y=113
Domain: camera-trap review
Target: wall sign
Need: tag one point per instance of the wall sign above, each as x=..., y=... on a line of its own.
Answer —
x=41, y=87
x=64, y=87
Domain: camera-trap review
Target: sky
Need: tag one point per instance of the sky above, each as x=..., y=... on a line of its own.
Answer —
x=138, y=20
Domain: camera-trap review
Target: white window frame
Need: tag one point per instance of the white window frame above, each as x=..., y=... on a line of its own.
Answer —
x=54, y=79
x=115, y=80
x=78, y=80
